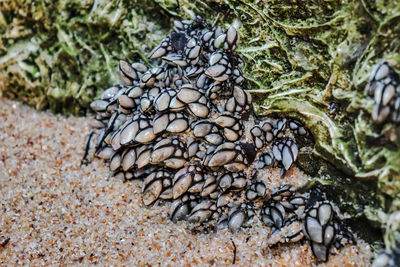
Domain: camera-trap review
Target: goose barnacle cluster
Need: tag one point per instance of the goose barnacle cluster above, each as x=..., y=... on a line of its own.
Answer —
x=384, y=87
x=187, y=129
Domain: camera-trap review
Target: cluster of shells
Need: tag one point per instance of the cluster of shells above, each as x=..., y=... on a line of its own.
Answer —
x=384, y=87
x=187, y=129
x=387, y=258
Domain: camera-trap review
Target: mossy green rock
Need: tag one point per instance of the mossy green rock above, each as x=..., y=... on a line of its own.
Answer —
x=61, y=54
x=306, y=59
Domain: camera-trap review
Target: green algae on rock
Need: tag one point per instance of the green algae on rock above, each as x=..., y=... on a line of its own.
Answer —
x=58, y=53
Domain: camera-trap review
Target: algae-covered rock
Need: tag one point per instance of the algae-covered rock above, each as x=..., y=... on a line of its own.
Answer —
x=306, y=59
x=60, y=54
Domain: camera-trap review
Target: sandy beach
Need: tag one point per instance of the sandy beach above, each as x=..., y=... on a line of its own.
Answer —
x=53, y=211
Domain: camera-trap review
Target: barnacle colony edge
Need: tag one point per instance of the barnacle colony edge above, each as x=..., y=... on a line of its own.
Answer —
x=384, y=87
x=187, y=129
